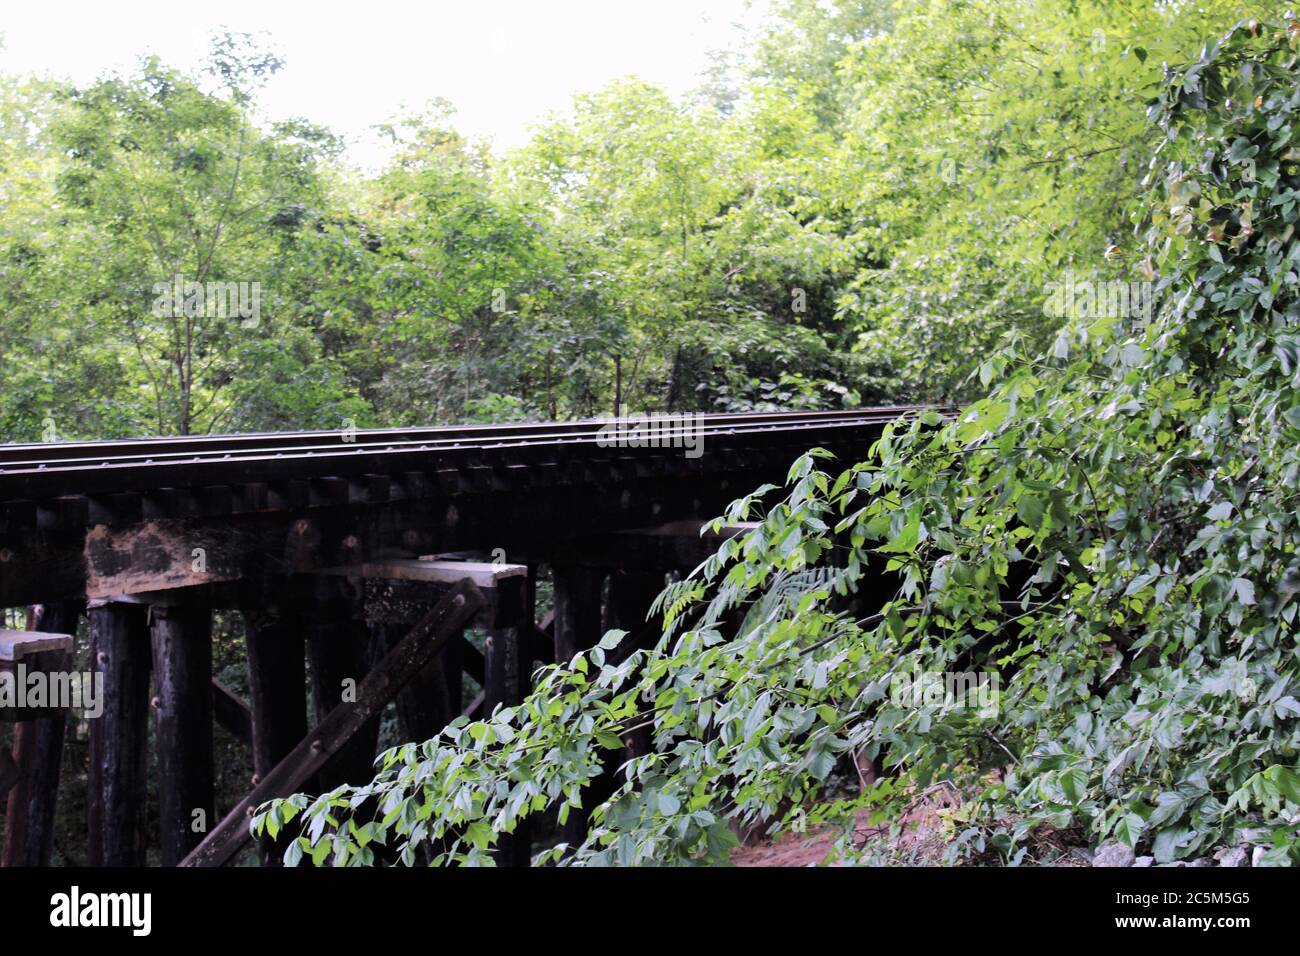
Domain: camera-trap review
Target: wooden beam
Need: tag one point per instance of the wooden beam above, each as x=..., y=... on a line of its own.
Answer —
x=433, y=697
x=380, y=686
x=483, y=574
x=506, y=672
x=577, y=609
x=38, y=757
x=125, y=554
x=340, y=655
x=9, y=774
x=277, y=682
x=26, y=652
x=158, y=555
x=16, y=645
x=577, y=628
x=182, y=667
x=232, y=713
x=118, y=749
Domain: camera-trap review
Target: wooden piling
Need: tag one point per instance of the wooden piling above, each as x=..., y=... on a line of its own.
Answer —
x=118, y=737
x=506, y=663
x=38, y=756
x=277, y=684
x=631, y=594
x=340, y=655
x=577, y=628
x=577, y=609
x=182, y=703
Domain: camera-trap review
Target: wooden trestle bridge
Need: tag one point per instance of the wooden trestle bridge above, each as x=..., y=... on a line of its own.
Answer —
x=358, y=560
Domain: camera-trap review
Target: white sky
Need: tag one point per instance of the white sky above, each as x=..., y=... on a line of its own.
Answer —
x=349, y=65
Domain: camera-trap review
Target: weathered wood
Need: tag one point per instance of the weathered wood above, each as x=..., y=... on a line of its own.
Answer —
x=380, y=686
x=631, y=594
x=433, y=697
x=182, y=668
x=157, y=555
x=127, y=555
x=340, y=654
x=483, y=574
x=38, y=756
x=16, y=645
x=118, y=758
x=68, y=511
x=577, y=628
x=506, y=672
x=8, y=770
x=232, y=713
x=577, y=609
x=23, y=653
x=277, y=683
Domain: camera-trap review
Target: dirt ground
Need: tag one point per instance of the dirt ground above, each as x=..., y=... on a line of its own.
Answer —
x=921, y=840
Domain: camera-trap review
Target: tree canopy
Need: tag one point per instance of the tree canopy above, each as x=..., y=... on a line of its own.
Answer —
x=1110, y=531
x=1072, y=220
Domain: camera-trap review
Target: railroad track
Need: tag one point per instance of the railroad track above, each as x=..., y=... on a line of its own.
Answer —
x=104, y=518
x=43, y=471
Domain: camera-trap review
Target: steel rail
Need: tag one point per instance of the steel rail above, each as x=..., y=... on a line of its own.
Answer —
x=54, y=479
x=145, y=453
x=251, y=442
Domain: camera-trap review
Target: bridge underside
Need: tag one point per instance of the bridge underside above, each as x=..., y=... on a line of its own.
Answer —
x=361, y=568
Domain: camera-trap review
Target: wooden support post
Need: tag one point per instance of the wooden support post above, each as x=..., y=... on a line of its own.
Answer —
x=8, y=770
x=577, y=628
x=433, y=697
x=38, y=756
x=577, y=609
x=506, y=671
x=631, y=593
x=340, y=653
x=397, y=592
x=232, y=713
x=532, y=635
x=118, y=758
x=379, y=687
x=182, y=702
x=277, y=683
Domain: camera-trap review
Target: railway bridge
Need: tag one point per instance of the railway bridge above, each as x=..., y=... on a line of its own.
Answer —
x=377, y=567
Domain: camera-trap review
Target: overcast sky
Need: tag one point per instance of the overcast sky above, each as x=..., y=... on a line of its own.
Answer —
x=352, y=64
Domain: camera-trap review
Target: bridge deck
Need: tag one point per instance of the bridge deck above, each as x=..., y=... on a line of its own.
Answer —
x=315, y=537
x=101, y=519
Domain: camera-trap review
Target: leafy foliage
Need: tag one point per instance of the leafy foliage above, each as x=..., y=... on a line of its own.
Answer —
x=1111, y=531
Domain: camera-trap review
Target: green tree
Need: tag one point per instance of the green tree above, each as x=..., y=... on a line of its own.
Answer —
x=179, y=194
x=1110, y=532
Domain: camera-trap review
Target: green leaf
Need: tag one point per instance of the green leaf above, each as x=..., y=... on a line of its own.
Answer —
x=1031, y=509
x=1244, y=589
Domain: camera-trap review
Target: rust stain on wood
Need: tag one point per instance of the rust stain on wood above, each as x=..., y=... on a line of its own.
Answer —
x=153, y=556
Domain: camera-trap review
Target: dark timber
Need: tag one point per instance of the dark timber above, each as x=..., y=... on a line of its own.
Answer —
x=116, y=802
x=182, y=667
x=369, y=566
x=37, y=757
x=379, y=687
